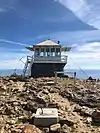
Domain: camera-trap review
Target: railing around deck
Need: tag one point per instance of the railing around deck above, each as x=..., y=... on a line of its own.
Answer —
x=50, y=59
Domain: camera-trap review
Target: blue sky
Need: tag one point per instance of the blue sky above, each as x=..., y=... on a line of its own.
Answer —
x=75, y=23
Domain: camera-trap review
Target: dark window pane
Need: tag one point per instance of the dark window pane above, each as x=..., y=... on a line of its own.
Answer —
x=37, y=51
x=52, y=49
x=42, y=49
x=57, y=49
x=42, y=52
x=47, y=49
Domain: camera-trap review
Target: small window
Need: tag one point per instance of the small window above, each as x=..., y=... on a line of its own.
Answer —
x=52, y=51
x=47, y=51
x=37, y=52
x=42, y=52
x=57, y=51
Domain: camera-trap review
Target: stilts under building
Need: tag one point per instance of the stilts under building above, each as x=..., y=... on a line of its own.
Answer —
x=46, y=59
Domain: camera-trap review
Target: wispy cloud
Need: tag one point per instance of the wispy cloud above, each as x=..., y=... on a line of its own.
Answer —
x=12, y=60
x=70, y=38
x=13, y=42
x=5, y=5
x=76, y=37
x=90, y=47
x=86, y=56
x=11, y=54
x=11, y=64
x=88, y=11
x=3, y=10
x=12, y=5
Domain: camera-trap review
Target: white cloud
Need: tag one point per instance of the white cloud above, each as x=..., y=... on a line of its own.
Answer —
x=11, y=60
x=76, y=36
x=3, y=10
x=11, y=64
x=6, y=5
x=90, y=47
x=87, y=10
x=86, y=56
x=85, y=61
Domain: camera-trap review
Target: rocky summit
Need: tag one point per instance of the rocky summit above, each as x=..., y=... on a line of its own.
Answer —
x=78, y=105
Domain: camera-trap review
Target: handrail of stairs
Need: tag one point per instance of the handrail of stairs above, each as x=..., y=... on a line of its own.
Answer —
x=28, y=62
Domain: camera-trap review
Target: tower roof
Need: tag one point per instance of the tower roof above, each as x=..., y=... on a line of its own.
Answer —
x=47, y=43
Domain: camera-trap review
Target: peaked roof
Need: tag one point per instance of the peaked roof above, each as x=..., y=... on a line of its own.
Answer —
x=47, y=43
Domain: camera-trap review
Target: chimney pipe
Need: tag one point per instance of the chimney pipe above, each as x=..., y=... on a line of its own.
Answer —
x=58, y=42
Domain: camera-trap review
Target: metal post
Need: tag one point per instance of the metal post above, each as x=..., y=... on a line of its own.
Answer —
x=55, y=77
x=74, y=78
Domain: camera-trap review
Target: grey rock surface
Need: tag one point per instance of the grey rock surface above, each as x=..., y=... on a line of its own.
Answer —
x=20, y=98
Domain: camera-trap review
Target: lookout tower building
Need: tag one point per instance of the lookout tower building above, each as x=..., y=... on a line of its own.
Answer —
x=46, y=59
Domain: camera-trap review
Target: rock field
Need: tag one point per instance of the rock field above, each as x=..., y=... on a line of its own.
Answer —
x=78, y=106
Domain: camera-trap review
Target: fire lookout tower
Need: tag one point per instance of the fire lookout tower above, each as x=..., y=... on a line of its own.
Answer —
x=46, y=59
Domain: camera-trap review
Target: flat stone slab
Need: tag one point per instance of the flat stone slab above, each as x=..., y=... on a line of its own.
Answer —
x=46, y=117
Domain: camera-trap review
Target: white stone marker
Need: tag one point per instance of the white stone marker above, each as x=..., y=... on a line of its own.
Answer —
x=46, y=117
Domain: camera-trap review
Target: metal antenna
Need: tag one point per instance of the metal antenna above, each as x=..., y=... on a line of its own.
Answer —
x=14, y=73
